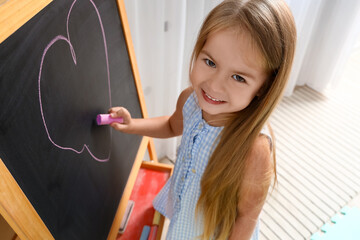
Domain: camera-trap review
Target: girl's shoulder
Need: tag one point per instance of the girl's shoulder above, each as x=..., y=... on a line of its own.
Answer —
x=267, y=132
x=260, y=157
x=178, y=114
x=262, y=147
x=184, y=95
x=187, y=102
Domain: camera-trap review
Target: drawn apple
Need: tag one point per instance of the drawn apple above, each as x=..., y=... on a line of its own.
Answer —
x=73, y=79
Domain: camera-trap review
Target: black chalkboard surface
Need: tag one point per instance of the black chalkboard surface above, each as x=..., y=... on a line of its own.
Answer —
x=57, y=72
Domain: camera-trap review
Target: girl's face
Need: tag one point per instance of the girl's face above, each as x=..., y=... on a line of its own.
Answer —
x=227, y=74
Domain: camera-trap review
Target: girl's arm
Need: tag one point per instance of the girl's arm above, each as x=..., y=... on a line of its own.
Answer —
x=254, y=191
x=159, y=127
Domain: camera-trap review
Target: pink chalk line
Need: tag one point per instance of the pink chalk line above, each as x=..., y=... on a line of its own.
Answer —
x=58, y=38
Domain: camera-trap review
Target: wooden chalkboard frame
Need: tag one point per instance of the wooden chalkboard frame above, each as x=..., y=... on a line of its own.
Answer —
x=14, y=205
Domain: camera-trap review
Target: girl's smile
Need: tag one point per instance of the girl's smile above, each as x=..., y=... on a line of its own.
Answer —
x=210, y=99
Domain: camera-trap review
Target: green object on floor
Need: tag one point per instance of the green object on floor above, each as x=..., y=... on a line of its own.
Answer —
x=345, y=226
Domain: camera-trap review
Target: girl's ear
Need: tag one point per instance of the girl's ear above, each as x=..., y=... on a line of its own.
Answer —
x=266, y=85
x=264, y=88
x=261, y=90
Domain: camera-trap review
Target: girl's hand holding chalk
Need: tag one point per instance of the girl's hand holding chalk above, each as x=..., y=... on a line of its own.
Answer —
x=120, y=119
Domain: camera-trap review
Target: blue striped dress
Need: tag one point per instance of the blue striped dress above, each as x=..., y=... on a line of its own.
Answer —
x=178, y=198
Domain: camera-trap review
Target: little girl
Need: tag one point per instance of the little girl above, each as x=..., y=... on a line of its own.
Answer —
x=239, y=68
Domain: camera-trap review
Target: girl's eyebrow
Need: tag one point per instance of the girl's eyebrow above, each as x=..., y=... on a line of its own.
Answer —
x=206, y=53
x=248, y=75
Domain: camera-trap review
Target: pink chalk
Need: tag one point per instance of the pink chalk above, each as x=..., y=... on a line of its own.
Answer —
x=103, y=119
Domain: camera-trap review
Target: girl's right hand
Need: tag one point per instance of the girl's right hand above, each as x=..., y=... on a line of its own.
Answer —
x=127, y=120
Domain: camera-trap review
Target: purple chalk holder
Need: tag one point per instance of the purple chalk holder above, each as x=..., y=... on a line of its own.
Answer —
x=104, y=119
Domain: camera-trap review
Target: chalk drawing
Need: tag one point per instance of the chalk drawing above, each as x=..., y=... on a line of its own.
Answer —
x=67, y=40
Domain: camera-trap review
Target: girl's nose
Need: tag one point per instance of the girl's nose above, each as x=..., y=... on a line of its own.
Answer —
x=217, y=82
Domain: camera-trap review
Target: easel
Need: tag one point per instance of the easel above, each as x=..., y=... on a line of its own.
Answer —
x=14, y=205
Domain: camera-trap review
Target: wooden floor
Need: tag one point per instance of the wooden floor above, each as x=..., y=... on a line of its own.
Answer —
x=318, y=163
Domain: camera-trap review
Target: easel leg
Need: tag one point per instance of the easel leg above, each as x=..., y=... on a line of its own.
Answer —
x=152, y=151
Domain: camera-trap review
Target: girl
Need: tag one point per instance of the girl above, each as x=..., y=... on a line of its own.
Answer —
x=239, y=68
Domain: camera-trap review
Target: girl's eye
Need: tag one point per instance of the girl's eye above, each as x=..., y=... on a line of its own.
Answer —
x=210, y=63
x=238, y=78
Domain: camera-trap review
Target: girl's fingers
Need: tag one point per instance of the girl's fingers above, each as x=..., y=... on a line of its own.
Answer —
x=117, y=126
x=113, y=110
x=116, y=112
x=124, y=113
x=119, y=112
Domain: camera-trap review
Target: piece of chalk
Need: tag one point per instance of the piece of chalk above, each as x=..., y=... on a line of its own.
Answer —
x=103, y=119
x=156, y=219
x=153, y=232
x=127, y=215
x=145, y=233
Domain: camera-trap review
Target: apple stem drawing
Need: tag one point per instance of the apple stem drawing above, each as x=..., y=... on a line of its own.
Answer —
x=61, y=37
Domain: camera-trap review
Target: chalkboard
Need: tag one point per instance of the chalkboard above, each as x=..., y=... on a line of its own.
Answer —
x=67, y=64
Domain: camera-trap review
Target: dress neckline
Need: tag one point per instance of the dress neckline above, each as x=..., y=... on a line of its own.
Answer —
x=204, y=122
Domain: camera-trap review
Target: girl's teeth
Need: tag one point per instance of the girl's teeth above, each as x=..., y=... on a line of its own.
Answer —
x=216, y=100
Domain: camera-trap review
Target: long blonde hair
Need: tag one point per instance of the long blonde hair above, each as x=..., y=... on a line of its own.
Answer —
x=272, y=28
